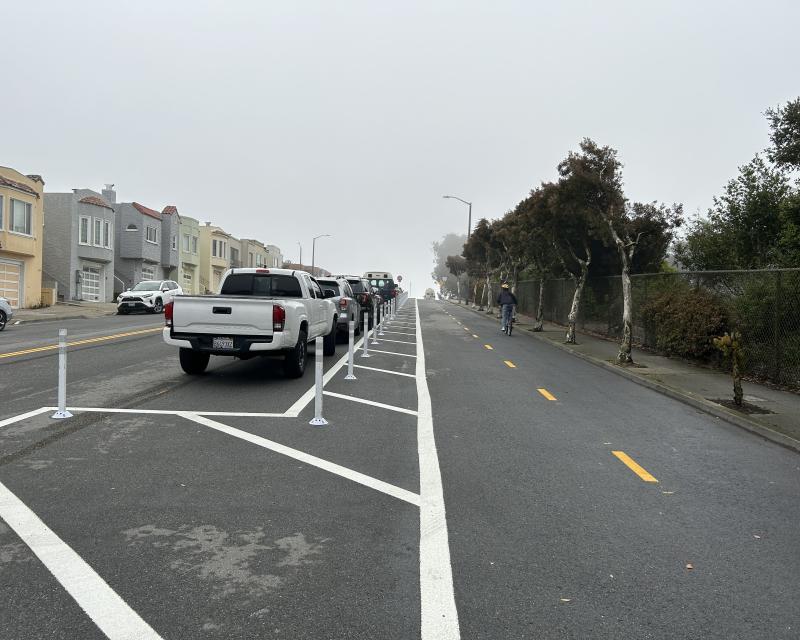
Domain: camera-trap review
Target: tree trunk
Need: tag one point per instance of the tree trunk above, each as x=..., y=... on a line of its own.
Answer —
x=737, y=380
x=475, y=300
x=576, y=303
x=624, y=355
x=458, y=288
x=489, y=294
x=539, y=324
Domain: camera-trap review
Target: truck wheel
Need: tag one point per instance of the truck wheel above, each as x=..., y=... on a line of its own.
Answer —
x=329, y=341
x=294, y=362
x=193, y=362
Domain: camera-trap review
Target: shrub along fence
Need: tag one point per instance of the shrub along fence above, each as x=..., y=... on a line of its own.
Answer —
x=680, y=313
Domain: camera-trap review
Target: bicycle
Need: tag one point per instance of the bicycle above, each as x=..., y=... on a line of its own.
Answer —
x=510, y=325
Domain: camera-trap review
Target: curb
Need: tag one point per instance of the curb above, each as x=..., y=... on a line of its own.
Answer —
x=56, y=319
x=685, y=397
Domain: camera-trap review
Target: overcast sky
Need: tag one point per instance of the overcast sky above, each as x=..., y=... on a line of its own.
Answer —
x=284, y=120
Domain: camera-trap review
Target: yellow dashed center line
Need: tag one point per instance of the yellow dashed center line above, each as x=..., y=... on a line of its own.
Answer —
x=631, y=464
x=547, y=394
x=474, y=336
x=76, y=343
x=488, y=346
x=510, y=364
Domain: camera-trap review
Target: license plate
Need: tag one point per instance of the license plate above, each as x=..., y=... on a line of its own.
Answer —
x=222, y=343
x=131, y=304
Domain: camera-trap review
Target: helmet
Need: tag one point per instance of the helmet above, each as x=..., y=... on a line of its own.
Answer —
x=504, y=285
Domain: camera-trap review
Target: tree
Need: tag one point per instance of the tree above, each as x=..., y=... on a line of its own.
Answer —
x=451, y=244
x=784, y=123
x=457, y=265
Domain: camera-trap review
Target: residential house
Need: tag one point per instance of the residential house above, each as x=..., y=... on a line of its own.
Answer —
x=187, y=273
x=21, y=237
x=253, y=253
x=79, y=244
x=147, y=243
x=215, y=256
x=274, y=256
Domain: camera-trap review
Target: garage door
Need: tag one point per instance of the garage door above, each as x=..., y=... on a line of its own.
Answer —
x=91, y=284
x=11, y=282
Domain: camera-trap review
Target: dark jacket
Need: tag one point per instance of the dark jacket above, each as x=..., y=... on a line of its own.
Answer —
x=506, y=297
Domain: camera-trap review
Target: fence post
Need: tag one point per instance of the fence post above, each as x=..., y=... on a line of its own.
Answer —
x=777, y=324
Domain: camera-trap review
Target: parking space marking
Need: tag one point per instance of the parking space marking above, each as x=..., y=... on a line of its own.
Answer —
x=100, y=602
x=393, y=353
x=633, y=466
x=380, y=405
x=439, y=616
x=510, y=364
x=24, y=416
x=547, y=394
x=173, y=412
x=489, y=347
x=325, y=465
x=401, y=333
x=397, y=341
x=76, y=343
x=396, y=373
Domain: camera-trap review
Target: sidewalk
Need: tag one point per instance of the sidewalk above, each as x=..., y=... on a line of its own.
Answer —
x=695, y=385
x=65, y=311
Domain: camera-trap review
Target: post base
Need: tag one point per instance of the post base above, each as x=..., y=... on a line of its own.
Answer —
x=365, y=355
x=319, y=422
x=350, y=376
x=61, y=415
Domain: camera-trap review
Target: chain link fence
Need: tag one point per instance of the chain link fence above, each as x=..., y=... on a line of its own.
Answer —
x=680, y=313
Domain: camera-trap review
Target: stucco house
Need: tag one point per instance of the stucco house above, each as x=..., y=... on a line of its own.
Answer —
x=21, y=237
x=79, y=244
x=147, y=244
x=187, y=273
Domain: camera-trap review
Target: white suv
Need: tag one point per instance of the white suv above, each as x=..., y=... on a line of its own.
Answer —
x=148, y=295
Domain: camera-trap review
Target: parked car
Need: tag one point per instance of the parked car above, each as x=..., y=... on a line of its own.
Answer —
x=430, y=294
x=149, y=295
x=365, y=294
x=258, y=312
x=384, y=281
x=346, y=303
x=6, y=312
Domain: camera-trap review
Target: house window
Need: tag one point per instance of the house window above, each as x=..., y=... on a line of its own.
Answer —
x=98, y=235
x=20, y=217
x=107, y=234
x=218, y=248
x=148, y=272
x=194, y=245
x=186, y=242
x=151, y=235
x=1, y=212
x=84, y=231
x=131, y=227
x=214, y=248
x=187, y=280
x=174, y=243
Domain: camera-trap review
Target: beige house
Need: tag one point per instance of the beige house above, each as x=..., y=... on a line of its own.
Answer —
x=215, y=256
x=21, y=237
x=187, y=273
x=254, y=254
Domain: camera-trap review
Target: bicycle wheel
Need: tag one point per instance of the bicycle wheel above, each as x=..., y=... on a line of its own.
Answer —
x=510, y=327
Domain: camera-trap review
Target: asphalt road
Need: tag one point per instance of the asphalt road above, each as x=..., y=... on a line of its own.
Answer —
x=169, y=519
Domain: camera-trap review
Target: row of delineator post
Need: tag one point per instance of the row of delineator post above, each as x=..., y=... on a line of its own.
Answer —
x=381, y=313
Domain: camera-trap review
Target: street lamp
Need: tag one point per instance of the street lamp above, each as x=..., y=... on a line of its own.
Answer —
x=313, y=248
x=469, y=220
x=301, y=253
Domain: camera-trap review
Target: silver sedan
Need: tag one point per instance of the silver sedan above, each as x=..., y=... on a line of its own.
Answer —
x=6, y=313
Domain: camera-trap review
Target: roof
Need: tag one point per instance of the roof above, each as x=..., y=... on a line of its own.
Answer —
x=170, y=209
x=96, y=201
x=19, y=186
x=146, y=210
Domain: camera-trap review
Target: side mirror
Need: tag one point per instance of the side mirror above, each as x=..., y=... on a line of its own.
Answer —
x=328, y=293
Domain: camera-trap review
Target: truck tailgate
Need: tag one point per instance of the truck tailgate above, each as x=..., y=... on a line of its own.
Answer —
x=222, y=316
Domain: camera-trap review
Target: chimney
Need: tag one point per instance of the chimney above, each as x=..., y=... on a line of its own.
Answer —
x=109, y=195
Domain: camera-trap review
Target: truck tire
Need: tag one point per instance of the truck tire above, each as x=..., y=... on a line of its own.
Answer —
x=329, y=341
x=294, y=362
x=193, y=362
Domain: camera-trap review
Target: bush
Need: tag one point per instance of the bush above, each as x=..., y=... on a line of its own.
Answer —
x=684, y=322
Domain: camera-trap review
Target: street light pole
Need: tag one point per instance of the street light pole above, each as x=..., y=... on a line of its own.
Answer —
x=301, y=253
x=469, y=232
x=313, y=250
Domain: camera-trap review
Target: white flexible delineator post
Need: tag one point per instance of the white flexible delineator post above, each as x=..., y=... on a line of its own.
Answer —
x=351, y=335
x=376, y=311
x=383, y=317
x=318, y=420
x=62, y=377
x=365, y=354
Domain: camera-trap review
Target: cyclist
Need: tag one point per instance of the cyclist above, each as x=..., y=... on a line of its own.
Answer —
x=507, y=301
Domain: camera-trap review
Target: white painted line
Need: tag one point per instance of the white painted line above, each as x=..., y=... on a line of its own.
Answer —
x=344, y=472
x=398, y=341
x=372, y=403
x=396, y=373
x=393, y=353
x=176, y=412
x=24, y=416
x=438, y=605
x=308, y=396
x=100, y=602
x=401, y=333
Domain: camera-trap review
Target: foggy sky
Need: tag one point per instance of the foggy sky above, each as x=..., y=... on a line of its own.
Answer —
x=285, y=120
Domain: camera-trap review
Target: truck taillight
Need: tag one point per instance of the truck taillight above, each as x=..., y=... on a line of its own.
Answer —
x=278, y=317
x=342, y=303
x=168, y=313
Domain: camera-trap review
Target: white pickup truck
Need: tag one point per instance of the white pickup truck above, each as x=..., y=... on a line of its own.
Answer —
x=258, y=312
